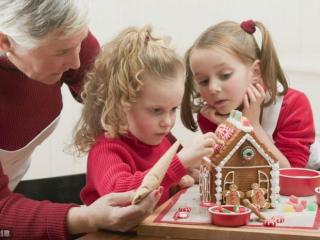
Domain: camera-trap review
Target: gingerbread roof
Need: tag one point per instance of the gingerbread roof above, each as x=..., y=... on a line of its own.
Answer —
x=236, y=132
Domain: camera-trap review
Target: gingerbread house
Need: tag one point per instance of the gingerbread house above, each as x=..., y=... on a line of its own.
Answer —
x=242, y=160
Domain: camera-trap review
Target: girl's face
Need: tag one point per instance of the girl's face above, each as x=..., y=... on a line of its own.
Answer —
x=153, y=115
x=47, y=63
x=222, y=79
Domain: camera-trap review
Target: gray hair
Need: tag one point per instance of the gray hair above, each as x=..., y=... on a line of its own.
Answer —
x=29, y=22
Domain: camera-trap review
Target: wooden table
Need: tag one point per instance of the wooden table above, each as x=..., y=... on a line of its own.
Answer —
x=117, y=236
x=174, y=231
x=150, y=230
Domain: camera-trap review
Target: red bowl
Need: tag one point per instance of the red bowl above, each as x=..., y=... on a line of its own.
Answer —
x=317, y=191
x=232, y=219
x=298, y=181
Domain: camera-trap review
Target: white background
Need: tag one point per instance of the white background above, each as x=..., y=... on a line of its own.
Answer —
x=294, y=26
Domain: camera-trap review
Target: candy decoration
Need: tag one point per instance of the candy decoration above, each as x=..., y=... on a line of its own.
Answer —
x=298, y=207
x=304, y=203
x=182, y=213
x=184, y=209
x=224, y=132
x=254, y=209
x=269, y=223
x=278, y=219
x=247, y=153
x=312, y=207
x=293, y=199
x=288, y=208
x=236, y=208
x=224, y=210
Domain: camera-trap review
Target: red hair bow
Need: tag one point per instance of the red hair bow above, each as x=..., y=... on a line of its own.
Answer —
x=248, y=26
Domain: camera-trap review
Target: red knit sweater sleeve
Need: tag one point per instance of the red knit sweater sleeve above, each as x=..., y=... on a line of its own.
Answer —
x=74, y=78
x=24, y=218
x=295, y=130
x=205, y=124
x=113, y=168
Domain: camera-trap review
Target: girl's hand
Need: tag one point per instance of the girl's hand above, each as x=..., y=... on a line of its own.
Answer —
x=212, y=114
x=186, y=181
x=252, y=102
x=190, y=156
x=194, y=173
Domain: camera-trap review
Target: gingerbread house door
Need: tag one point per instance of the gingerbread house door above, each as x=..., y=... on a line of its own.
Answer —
x=228, y=180
x=264, y=182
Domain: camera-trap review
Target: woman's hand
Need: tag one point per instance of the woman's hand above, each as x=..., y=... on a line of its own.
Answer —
x=111, y=212
x=212, y=114
x=252, y=103
x=190, y=156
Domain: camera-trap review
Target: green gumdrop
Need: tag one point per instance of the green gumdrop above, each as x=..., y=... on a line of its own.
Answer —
x=312, y=207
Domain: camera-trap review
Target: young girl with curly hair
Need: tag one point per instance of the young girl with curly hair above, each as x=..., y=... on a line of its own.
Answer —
x=130, y=102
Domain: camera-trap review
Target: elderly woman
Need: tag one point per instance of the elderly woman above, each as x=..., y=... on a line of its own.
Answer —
x=44, y=44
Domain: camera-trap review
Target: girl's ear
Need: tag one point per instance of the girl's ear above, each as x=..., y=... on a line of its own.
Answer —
x=256, y=72
x=5, y=45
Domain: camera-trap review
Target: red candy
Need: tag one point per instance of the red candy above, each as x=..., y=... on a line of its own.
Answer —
x=182, y=212
x=184, y=209
x=269, y=223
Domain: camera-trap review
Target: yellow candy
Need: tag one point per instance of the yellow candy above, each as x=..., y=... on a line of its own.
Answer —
x=287, y=208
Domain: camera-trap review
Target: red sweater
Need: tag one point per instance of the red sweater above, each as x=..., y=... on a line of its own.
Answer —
x=294, y=132
x=120, y=164
x=26, y=108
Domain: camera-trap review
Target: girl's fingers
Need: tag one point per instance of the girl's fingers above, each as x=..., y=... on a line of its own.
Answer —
x=213, y=138
x=255, y=91
x=217, y=140
x=261, y=90
x=246, y=103
x=251, y=96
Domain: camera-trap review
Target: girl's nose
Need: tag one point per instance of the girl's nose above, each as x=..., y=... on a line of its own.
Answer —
x=165, y=121
x=214, y=86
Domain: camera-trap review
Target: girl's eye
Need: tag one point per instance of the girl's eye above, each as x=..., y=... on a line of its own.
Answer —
x=174, y=109
x=203, y=82
x=225, y=76
x=156, y=110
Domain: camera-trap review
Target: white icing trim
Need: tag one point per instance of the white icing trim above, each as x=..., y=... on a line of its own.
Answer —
x=249, y=138
x=208, y=160
x=257, y=166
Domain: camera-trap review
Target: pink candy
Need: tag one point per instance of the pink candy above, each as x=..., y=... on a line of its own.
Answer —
x=298, y=205
x=293, y=199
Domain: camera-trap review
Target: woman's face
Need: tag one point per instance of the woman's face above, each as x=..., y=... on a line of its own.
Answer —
x=48, y=62
x=222, y=79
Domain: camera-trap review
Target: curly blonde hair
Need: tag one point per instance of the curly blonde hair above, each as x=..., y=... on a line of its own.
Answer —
x=117, y=77
x=231, y=38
